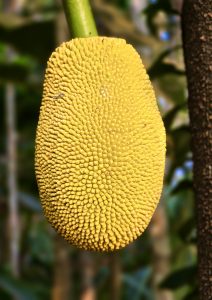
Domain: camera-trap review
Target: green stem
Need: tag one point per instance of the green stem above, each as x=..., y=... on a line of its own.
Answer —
x=79, y=17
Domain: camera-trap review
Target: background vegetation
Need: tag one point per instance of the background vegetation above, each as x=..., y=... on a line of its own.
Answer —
x=35, y=263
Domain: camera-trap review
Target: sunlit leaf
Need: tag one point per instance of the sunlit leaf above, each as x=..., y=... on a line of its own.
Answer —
x=160, y=68
x=169, y=118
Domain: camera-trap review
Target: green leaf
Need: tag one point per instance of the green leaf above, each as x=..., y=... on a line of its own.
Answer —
x=40, y=242
x=185, y=184
x=152, y=9
x=17, y=288
x=179, y=278
x=164, y=5
x=30, y=202
x=178, y=147
x=36, y=38
x=136, y=284
x=13, y=72
x=187, y=231
x=193, y=295
x=160, y=68
x=173, y=87
x=181, y=139
x=101, y=276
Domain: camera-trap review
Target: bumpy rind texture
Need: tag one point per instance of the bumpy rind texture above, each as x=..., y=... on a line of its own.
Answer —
x=100, y=145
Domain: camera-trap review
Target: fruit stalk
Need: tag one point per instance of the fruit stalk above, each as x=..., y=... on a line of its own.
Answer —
x=80, y=18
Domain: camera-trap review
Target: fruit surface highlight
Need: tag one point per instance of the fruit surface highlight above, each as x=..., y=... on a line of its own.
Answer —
x=100, y=144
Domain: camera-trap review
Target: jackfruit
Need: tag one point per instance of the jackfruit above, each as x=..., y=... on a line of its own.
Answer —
x=100, y=144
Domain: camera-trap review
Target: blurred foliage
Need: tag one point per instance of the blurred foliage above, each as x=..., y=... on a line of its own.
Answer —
x=32, y=35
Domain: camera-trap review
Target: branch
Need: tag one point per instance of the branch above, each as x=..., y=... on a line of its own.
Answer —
x=79, y=17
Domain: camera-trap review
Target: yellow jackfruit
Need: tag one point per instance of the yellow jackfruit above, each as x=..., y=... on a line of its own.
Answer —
x=100, y=144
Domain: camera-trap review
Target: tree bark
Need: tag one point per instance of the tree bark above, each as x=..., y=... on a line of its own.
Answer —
x=197, y=39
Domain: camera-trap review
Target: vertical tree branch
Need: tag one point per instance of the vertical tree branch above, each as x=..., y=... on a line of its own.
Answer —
x=13, y=220
x=197, y=39
x=14, y=226
x=62, y=271
x=115, y=277
x=88, y=272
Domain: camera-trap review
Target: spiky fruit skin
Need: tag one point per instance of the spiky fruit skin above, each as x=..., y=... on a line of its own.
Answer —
x=100, y=144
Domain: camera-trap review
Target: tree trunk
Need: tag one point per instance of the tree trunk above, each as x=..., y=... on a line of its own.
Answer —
x=197, y=38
